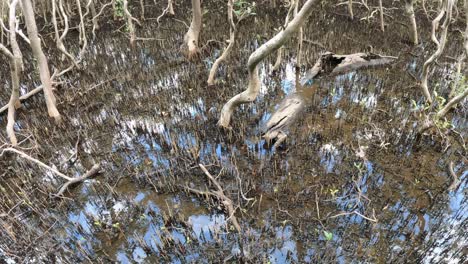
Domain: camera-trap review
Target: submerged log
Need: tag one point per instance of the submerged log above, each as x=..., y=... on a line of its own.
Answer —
x=329, y=64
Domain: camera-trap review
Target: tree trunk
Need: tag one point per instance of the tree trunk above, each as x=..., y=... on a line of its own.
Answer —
x=382, y=24
x=350, y=9
x=446, y=8
x=190, y=46
x=131, y=27
x=41, y=59
x=409, y=7
x=170, y=7
x=15, y=69
x=279, y=55
x=257, y=56
x=232, y=33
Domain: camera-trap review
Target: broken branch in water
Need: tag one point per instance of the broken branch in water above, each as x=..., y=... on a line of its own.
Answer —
x=70, y=180
x=219, y=194
x=227, y=202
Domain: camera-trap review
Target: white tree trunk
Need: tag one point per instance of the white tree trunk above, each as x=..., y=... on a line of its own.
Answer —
x=44, y=73
x=190, y=47
x=446, y=8
x=232, y=33
x=15, y=69
x=409, y=7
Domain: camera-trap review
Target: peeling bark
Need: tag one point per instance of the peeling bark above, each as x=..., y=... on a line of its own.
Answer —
x=41, y=59
x=350, y=9
x=190, y=46
x=257, y=56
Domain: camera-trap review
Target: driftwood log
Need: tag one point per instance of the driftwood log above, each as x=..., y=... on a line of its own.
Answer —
x=329, y=64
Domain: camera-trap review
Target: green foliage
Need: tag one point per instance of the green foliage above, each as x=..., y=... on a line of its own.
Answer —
x=328, y=235
x=119, y=10
x=243, y=9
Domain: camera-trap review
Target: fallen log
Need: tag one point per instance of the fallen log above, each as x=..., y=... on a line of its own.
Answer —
x=329, y=64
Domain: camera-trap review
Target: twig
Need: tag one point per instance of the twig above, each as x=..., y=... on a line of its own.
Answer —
x=226, y=201
x=91, y=172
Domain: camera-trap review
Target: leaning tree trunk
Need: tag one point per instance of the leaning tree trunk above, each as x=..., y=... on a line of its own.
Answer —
x=232, y=34
x=257, y=56
x=41, y=59
x=279, y=55
x=190, y=46
x=409, y=7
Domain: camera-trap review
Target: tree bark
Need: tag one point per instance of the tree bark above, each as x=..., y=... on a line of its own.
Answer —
x=409, y=7
x=131, y=27
x=350, y=9
x=15, y=69
x=41, y=59
x=257, y=56
x=190, y=46
x=279, y=55
x=446, y=8
x=382, y=24
x=232, y=33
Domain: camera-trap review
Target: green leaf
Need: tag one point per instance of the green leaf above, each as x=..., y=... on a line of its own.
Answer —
x=328, y=235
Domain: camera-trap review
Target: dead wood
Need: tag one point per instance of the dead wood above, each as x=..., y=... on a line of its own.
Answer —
x=220, y=196
x=329, y=64
x=70, y=180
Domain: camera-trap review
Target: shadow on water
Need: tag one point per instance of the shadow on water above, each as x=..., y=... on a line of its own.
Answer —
x=348, y=186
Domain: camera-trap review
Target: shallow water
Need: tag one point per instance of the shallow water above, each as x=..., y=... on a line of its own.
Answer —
x=351, y=184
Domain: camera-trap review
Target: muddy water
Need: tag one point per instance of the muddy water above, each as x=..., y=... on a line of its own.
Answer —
x=351, y=184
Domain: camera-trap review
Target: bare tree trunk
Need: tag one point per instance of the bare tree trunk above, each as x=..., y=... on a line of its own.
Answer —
x=452, y=103
x=279, y=56
x=232, y=33
x=95, y=16
x=58, y=38
x=409, y=7
x=142, y=7
x=83, y=39
x=299, y=39
x=170, y=7
x=257, y=56
x=131, y=27
x=382, y=24
x=446, y=8
x=190, y=46
x=350, y=9
x=41, y=59
x=15, y=68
